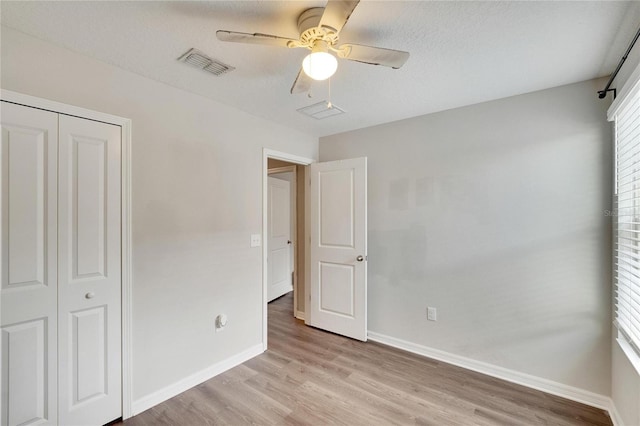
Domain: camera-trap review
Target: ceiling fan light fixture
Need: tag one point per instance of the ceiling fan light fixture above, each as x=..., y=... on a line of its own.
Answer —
x=320, y=64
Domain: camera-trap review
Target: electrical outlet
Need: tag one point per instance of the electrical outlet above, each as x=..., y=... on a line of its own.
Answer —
x=255, y=240
x=221, y=322
x=432, y=314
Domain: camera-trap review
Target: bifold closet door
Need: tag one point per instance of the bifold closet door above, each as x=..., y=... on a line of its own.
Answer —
x=89, y=272
x=29, y=265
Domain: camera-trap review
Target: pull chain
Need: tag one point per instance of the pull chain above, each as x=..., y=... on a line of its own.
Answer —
x=329, y=104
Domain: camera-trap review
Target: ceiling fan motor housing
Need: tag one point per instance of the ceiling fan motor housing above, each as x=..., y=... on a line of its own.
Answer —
x=310, y=18
x=310, y=32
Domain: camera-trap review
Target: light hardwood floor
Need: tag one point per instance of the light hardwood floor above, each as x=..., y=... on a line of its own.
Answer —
x=311, y=377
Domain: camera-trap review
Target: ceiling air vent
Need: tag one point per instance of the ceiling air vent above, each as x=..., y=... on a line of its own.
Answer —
x=199, y=60
x=321, y=110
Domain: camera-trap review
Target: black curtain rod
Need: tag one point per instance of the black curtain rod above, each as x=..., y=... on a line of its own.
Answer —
x=602, y=93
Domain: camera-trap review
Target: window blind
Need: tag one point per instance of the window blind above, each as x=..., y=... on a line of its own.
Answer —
x=627, y=230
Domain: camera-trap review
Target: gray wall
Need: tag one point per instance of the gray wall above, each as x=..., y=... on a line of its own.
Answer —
x=493, y=214
x=197, y=198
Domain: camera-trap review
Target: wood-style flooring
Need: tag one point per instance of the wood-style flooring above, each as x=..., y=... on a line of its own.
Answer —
x=311, y=377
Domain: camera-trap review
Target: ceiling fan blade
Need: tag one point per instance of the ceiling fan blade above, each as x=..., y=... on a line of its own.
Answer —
x=337, y=13
x=257, y=38
x=373, y=55
x=302, y=83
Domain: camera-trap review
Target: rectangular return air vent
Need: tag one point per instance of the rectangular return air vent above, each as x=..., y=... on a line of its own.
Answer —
x=321, y=110
x=199, y=60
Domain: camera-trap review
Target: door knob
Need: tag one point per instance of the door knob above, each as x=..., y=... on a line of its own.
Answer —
x=360, y=258
x=288, y=241
x=89, y=295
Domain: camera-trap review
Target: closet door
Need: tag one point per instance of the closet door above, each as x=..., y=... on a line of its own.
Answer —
x=29, y=265
x=89, y=272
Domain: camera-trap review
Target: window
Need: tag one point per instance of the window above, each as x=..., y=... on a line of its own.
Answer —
x=626, y=113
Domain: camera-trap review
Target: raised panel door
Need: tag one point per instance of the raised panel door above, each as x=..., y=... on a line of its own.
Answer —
x=29, y=265
x=338, y=286
x=89, y=272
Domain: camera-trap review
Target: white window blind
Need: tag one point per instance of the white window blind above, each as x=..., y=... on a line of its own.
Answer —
x=627, y=265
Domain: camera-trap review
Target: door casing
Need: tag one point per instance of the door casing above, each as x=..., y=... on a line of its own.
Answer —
x=126, y=235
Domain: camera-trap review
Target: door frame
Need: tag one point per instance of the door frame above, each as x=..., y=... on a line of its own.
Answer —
x=291, y=158
x=126, y=234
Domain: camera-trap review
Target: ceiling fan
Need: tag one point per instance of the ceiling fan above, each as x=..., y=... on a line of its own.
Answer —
x=319, y=32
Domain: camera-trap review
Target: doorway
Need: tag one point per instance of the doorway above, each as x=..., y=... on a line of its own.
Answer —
x=331, y=243
x=285, y=232
x=282, y=244
x=284, y=174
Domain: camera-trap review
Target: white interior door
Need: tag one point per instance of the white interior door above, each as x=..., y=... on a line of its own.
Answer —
x=338, y=287
x=89, y=272
x=29, y=265
x=279, y=238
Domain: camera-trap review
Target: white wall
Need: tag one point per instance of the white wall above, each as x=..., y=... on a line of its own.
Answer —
x=629, y=26
x=494, y=214
x=197, y=197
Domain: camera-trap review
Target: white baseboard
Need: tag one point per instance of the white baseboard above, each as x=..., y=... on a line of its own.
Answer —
x=545, y=385
x=279, y=291
x=300, y=315
x=555, y=388
x=195, y=379
x=614, y=414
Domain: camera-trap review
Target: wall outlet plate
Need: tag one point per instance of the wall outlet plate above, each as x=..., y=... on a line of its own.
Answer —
x=221, y=322
x=256, y=240
x=432, y=314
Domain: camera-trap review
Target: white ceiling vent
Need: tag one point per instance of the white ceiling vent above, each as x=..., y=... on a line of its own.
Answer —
x=199, y=60
x=321, y=110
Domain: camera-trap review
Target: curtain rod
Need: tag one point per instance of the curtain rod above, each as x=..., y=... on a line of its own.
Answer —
x=602, y=93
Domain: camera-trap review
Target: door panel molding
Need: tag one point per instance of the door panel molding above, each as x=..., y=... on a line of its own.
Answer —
x=88, y=336
x=89, y=192
x=330, y=182
x=339, y=300
x=25, y=349
x=126, y=220
x=27, y=204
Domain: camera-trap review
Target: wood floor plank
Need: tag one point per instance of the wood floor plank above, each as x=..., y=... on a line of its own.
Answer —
x=311, y=377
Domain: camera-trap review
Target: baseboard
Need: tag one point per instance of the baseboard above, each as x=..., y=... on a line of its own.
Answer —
x=177, y=388
x=279, y=291
x=614, y=414
x=545, y=385
x=300, y=315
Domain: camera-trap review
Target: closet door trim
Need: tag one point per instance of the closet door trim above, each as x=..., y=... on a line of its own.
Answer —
x=125, y=124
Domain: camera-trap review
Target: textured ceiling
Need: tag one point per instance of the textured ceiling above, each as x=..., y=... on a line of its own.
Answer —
x=461, y=52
